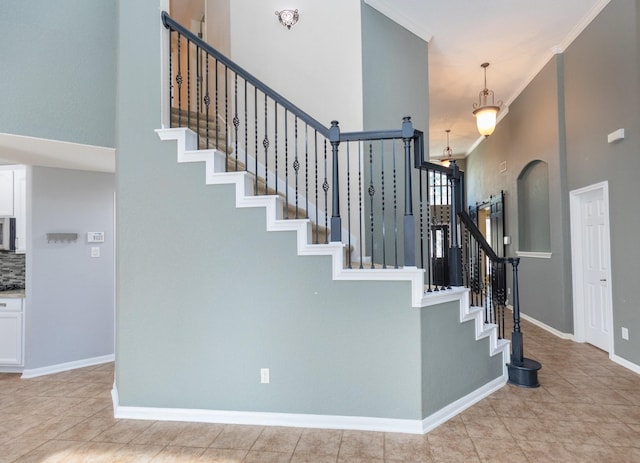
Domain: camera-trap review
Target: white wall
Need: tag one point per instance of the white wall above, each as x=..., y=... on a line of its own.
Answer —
x=317, y=64
x=70, y=295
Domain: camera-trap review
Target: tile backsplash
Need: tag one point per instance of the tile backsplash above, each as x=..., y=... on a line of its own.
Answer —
x=11, y=270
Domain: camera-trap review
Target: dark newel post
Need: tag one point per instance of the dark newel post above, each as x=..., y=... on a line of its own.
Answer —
x=336, y=225
x=455, y=252
x=517, y=347
x=522, y=371
x=409, y=223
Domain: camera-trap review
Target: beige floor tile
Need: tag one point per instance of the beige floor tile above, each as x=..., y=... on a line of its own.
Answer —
x=123, y=431
x=499, y=451
x=311, y=458
x=18, y=446
x=94, y=452
x=454, y=427
x=53, y=451
x=530, y=429
x=618, y=434
x=278, y=440
x=512, y=408
x=406, y=447
x=360, y=444
x=212, y=455
x=130, y=453
x=178, y=454
x=237, y=437
x=197, y=435
x=488, y=427
x=87, y=429
x=256, y=456
x=160, y=433
x=325, y=442
x=53, y=427
x=452, y=450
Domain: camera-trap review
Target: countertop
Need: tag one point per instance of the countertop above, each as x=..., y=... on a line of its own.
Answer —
x=16, y=293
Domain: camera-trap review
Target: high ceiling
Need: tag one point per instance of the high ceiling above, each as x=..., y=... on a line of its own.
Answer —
x=518, y=37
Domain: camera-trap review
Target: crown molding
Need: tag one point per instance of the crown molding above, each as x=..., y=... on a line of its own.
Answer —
x=390, y=11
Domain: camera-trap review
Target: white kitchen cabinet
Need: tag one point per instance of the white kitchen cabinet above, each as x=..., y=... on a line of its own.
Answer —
x=6, y=191
x=11, y=332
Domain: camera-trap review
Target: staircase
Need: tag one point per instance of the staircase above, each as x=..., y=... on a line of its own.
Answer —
x=293, y=169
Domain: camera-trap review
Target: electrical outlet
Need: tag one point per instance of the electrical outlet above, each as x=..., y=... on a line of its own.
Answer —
x=264, y=375
x=95, y=251
x=625, y=333
x=508, y=291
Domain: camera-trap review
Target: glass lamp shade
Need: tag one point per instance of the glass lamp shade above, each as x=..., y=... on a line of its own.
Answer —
x=486, y=119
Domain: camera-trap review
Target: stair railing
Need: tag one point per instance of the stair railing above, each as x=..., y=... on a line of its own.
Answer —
x=293, y=155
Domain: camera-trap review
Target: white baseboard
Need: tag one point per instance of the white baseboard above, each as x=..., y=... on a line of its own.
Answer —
x=359, y=423
x=34, y=372
x=7, y=369
x=625, y=363
x=544, y=326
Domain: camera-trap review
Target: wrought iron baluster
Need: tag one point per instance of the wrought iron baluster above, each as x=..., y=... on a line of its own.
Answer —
x=315, y=143
x=179, y=80
x=286, y=163
x=275, y=142
x=265, y=144
x=217, y=111
x=236, y=119
x=360, y=227
x=207, y=99
x=255, y=136
x=188, y=84
x=348, y=206
x=371, y=192
x=325, y=188
x=171, y=87
x=306, y=170
x=296, y=162
x=198, y=94
x=226, y=111
x=428, y=230
x=433, y=227
x=395, y=208
x=384, y=237
x=246, y=127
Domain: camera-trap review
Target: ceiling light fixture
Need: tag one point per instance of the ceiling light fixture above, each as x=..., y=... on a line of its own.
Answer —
x=288, y=18
x=486, y=112
x=447, y=153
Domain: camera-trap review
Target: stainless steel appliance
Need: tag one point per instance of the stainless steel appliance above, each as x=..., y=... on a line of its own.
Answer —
x=7, y=234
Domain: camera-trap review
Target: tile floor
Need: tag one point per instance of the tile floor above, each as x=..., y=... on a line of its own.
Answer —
x=587, y=410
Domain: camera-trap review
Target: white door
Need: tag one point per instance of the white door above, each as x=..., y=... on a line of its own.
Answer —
x=590, y=246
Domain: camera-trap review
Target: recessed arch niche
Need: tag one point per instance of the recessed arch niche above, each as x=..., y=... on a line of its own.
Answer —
x=534, y=224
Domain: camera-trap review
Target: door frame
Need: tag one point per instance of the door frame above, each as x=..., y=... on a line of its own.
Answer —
x=577, y=261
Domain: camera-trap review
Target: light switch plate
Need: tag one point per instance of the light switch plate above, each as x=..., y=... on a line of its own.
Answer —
x=95, y=237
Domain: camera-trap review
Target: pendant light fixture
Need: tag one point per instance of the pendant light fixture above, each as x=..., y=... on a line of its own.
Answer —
x=486, y=111
x=447, y=153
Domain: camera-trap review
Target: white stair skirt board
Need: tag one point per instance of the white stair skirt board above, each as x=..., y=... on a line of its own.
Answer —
x=359, y=423
x=35, y=372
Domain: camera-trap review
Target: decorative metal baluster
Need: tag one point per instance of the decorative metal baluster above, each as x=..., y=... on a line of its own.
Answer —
x=286, y=163
x=348, y=206
x=306, y=170
x=384, y=237
x=246, y=126
x=217, y=111
x=371, y=192
x=325, y=188
x=275, y=142
x=226, y=111
x=429, y=264
x=435, y=222
x=207, y=102
x=188, y=84
x=236, y=119
x=447, y=190
x=198, y=94
x=296, y=162
x=395, y=208
x=360, y=228
x=171, y=87
x=265, y=144
x=179, y=80
x=315, y=142
x=255, y=136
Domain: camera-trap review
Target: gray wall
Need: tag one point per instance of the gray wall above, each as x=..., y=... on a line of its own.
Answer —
x=603, y=94
x=563, y=118
x=206, y=297
x=395, y=84
x=58, y=70
x=70, y=295
x=530, y=131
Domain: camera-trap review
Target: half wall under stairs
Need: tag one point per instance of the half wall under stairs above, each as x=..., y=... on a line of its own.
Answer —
x=349, y=349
